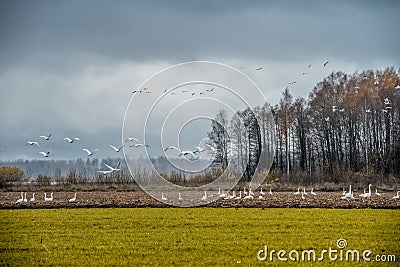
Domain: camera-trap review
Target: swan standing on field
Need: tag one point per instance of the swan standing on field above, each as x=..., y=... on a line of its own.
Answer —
x=180, y=197
x=304, y=191
x=163, y=197
x=397, y=196
x=376, y=192
x=344, y=192
x=368, y=195
x=72, y=199
x=349, y=194
x=298, y=191
x=20, y=199
x=261, y=192
x=240, y=195
x=302, y=195
x=312, y=192
x=204, y=197
x=25, y=199
x=270, y=191
x=32, y=198
x=48, y=199
x=248, y=197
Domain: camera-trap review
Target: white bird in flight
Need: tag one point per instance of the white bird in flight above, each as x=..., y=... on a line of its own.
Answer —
x=117, y=149
x=71, y=140
x=181, y=152
x=31, y=143
x=46, y=137
x=89, y=153
x=139, y=145
x=111, y=169
x=45, y=154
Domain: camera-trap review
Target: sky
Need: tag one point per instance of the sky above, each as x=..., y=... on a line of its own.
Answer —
x=69, y=67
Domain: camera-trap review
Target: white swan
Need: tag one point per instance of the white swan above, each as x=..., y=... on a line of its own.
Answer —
x=312, y=192
x=181, y=152
x=72, y=199
x=298, y=191
x=31, y=143
x=251, y=193
x=25, y=199
x=89, y=153
x=349, y=194
x=302, y=195
x=71, y=140
x=244, y=191
x=240, y=195
x=261, y=192
x=116, y=149
x=376, y=192
x=248, y=197
x=163, y=197
x=46, y=137
x=20, y=199
x=397, y=196
x=180, y=197
x=344, y=192
x=48, y=199
x=45, y=154
x=368, y=195
x=111, y=169
x=32, y=198
x=270, y=191
x=204, y=197
x=304, y=191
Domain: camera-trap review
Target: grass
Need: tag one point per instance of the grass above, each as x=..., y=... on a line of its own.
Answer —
x=193, y=236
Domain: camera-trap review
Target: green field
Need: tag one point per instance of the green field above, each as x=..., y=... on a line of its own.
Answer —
x=192, y=236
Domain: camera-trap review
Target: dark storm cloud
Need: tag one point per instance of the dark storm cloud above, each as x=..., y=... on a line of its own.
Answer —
x=70, y=66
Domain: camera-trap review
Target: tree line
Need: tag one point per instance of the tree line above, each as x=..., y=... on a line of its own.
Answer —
x=350, y=123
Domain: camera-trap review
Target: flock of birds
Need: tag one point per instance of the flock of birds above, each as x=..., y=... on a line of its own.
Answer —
x=245, y=194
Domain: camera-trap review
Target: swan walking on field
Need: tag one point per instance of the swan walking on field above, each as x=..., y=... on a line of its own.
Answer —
x=397, y=196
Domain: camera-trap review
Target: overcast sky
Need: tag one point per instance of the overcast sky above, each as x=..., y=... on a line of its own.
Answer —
x=69, y=67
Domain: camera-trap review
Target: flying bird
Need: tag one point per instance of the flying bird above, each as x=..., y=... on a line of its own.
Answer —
x=326, y=63
x=131, y=139
x=46, y=137
x=309, y=65
x=89, y=153
x=139, y=145
x=291, y=83
x=71, y=140
x=117, y=149
x=31, y=143
x=260, y=68
x=111, y=169
x=45, y=154
x=181, y=152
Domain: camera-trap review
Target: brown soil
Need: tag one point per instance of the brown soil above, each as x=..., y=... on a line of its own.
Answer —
x=141, y=199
